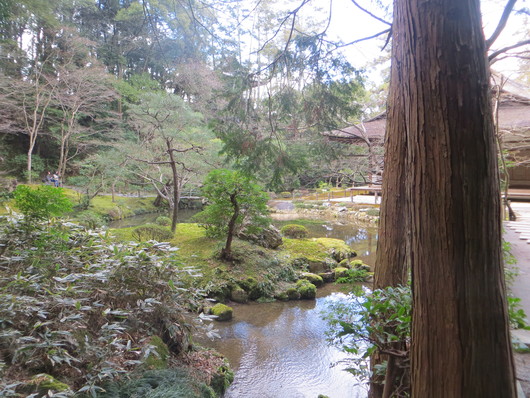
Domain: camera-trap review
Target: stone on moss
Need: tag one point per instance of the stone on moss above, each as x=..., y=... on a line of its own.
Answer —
x=239, y=295
x=158, y=358
x=313, y=278
x=222, y=312
x=306, y=289
x=340, y=272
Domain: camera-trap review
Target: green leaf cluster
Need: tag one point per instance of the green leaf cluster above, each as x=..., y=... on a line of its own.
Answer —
x=41, y=202
x=224, y=189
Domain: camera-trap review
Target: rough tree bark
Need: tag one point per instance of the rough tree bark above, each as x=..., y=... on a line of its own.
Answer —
x=391, y=265
x=460, y=336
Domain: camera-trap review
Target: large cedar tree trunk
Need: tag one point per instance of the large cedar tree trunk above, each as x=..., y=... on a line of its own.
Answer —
x=460, y=337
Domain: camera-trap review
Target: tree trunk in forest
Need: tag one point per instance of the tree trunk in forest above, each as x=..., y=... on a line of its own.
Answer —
x=460, y=336
x=391, y=265
x=176, y=191
x=226, y=253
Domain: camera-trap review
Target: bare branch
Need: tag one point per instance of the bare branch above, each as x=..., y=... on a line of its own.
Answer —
x=372, y=15
x=502, y=23
x=495, y=54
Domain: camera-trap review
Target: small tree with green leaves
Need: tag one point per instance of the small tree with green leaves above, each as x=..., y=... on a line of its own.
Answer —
x=41, y=203
x=234, y=201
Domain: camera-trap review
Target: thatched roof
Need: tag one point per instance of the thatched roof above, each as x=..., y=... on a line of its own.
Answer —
x=371, y=130
x=514, y=117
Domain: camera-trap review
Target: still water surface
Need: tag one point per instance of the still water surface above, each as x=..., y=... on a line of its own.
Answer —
x=279, y=350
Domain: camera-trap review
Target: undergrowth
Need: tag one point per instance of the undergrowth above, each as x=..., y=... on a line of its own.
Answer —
x=82, y=309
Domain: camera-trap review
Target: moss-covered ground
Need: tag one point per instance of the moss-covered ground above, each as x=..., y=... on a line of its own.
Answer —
x=261, y=272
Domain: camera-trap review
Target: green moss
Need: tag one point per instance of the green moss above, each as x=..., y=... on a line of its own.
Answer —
x=44, y=383
x=306, y=289
x=346, y=263
x=313, y=278
x=340, y=272
x=294, y=231
x=221, y=380
x=317, y=249
x=293, y=294
x=239, y=295
x=158, y=358
x=222, y=312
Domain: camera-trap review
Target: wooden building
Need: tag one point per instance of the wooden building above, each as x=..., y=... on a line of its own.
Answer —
x=513, y=131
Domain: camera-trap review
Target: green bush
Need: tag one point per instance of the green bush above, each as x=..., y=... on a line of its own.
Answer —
x=353, y=275
x=42, y=202
x=285, y=195
x=90, y=219
x=373, y=212
x=168, y=383
x=295, y=231
x=147, y=232
x=163, y=221
x=367, y=323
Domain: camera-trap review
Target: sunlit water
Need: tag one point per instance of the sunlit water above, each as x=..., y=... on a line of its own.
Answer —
x=280, y=350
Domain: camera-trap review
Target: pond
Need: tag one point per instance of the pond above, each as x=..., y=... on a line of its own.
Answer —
x=279, y=350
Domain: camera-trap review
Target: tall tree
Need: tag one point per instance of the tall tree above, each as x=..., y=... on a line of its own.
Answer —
x=444, y=146
x=170, y=136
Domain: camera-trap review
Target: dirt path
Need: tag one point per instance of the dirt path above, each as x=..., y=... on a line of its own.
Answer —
x=518, y=234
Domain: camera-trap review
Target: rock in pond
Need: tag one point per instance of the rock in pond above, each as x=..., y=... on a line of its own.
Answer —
x=222, y=312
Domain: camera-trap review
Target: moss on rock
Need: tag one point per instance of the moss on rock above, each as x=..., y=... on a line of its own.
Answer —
x=222, y=378
x=158, y=358
x=306, y=289
x=44, y=383
x=239, y=295
x=293, y=293
x=340, y=272
x=294, y=231
x=313, y=278
x=222, y=312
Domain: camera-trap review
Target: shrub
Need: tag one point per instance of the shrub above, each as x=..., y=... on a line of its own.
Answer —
x=373, y=322
x=90, y=219
x=353, y=275
x=77, y=306
x=42, y=202
x=295, y=231
x=163, y=221
x=147, y=232
x=285, y=195
x=373, y=212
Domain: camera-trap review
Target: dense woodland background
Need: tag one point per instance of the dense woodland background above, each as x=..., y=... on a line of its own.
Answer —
x=112, y=93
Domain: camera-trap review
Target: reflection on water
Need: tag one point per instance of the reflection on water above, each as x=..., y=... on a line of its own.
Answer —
x=279, y=350
x=184, y=216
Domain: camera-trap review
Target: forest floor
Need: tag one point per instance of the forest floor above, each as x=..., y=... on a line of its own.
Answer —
x=518, y=234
